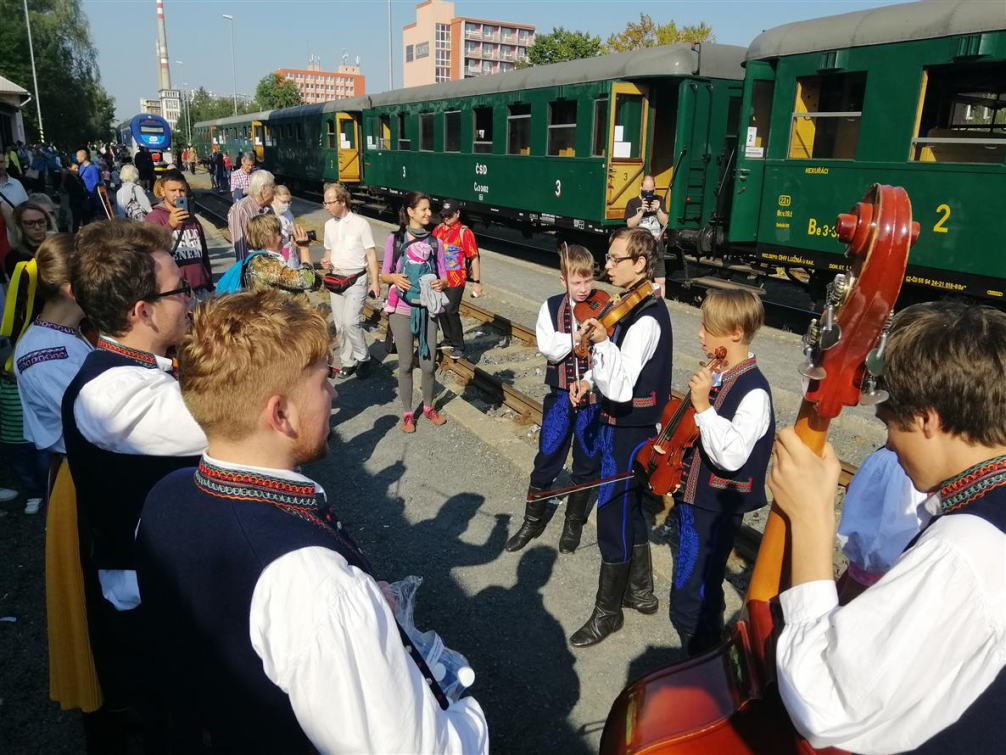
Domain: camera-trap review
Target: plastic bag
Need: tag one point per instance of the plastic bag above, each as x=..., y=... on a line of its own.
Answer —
x=449, y=668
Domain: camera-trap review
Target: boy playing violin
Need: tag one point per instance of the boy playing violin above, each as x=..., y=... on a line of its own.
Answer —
x=915, y=663
x=632, y=372
x=723, y=474
x=563, y=419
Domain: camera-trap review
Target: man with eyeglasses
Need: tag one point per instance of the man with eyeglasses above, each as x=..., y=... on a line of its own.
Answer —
x=126, y=426
x=632, y=372
x=350, y=254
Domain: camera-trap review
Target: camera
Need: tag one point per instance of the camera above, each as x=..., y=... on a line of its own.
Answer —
x=312, y=236
x=647, y=196
x=182, y=203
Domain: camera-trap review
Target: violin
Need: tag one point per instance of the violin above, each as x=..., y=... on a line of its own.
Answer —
x=727, y=700
x=613, y=311
x=662, y=457
x=592, y=306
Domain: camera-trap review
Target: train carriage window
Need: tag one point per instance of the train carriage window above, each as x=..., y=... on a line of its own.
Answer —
x=628, y=134
x=962, y=115
x=300, y=132
x=404, y=143
x=426, y=132
x=759, y=122
x=347, y=133
x=826, y=116
x=562, y=128
x=482, y=136
x=452, y=131
x=519, y=130
x=600, y=141
x=384, y=124
x=330, y=133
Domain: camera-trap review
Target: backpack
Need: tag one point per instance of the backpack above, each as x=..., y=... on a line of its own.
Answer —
x=413, y=270
x=133, y=209
x=233, y=280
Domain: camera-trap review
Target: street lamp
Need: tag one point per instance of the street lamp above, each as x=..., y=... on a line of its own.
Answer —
x=234, y=70
x=185, y=104
x=34, y=75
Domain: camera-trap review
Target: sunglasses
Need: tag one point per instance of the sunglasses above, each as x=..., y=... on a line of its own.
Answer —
x=183, y=288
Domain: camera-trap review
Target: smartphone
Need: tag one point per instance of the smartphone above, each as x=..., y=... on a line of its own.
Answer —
x=182, y=203
x=312, y=236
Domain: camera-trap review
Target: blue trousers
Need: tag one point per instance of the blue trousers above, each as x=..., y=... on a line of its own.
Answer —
x=620, y=521
x=561, y=423
x=704, y=541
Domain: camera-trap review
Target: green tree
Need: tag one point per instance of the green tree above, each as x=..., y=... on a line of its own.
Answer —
x=559, y=45
x=647, y=33
x=76, y=108
x=276, y=91
x=205, y=107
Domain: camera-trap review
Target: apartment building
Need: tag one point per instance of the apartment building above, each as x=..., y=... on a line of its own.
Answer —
x=440, y=46
x=316, y=85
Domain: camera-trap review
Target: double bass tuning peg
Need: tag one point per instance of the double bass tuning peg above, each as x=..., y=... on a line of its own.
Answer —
x=871, y=395
x=809, y=369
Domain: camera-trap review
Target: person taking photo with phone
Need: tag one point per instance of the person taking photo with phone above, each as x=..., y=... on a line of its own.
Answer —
x=188, y=242
x=647, y=212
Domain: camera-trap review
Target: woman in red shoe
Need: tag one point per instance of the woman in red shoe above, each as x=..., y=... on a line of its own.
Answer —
x=404, y=255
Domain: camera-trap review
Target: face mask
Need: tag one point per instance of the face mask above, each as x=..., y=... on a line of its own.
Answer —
x=280, y=207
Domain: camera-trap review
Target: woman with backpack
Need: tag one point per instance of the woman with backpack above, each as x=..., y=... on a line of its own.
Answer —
x=131, y=200
x=412, y=255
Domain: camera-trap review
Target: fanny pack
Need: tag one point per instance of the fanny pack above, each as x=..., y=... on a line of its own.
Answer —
x=337, y=284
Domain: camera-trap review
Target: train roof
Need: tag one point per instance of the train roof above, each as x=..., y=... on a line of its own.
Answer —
x=906, y=22
x=717, y=61
x=232, y=119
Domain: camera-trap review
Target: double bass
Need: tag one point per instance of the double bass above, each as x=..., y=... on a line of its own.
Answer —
x=727, y=701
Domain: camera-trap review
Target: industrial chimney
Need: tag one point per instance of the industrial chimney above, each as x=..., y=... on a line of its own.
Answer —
x=164, y=73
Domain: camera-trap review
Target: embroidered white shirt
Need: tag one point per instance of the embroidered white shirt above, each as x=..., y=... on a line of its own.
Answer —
x=729, y=442
x=615, y=370
x=553, y=344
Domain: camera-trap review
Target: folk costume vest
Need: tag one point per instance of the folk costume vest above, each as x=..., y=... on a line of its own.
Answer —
x=216, y=690
x=981, y=492
x=562, y=375
x=714, y=489
x=653, y=386
x=111, y=486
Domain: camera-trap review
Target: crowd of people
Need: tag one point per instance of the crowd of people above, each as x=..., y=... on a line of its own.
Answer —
x=163, y=419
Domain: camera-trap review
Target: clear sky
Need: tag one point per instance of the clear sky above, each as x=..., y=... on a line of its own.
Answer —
x=271, y=34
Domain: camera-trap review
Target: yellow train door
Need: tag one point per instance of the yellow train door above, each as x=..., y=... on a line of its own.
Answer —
x=626, y=146
x=258, y=140
x=349, y=148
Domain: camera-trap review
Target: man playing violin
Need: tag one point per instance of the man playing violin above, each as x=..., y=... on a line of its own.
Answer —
x=915, y=663
x=723, y=474
x=632, y=372
x=562, y=419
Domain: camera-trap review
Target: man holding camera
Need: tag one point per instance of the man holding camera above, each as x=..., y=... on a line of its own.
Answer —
x=188, y=242
x=646, y=212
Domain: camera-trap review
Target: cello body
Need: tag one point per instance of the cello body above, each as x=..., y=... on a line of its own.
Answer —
x=726, y=701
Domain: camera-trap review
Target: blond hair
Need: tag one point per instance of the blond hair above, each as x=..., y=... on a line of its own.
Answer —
x=576, y=260
x=263, y=230
x=282, y=190
x=725, y=310
x=341, y=192
x=243, y=349
x=53, y=260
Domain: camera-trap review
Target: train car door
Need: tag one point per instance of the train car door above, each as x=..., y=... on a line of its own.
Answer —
x=258, y=140
x=626, y=146
x=752, y=149
x=213, y=138
x=349, y=147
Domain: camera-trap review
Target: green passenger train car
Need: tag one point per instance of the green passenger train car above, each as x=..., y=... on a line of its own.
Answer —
x=912, y=95
x=566, y=145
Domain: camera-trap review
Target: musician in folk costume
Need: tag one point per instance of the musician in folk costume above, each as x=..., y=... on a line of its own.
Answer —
x=632, y=372
x=723, y=474
x=291, y=645
x=914, y=663
x=125, y=426
x=562, y=419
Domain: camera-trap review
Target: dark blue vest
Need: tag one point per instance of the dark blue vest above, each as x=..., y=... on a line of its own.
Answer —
x=204, y=540
x=111, y=487
x=713, y=489
x=653, y=387
x=981, y=492
x=562, y=375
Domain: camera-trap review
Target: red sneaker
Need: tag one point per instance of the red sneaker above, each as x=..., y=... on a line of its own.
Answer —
x=434, y=416
x=408, y=423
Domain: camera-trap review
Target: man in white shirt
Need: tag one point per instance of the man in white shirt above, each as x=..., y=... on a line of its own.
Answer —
x=125, y=425
x=291, y=646
x=915, y=663
x=350, y=254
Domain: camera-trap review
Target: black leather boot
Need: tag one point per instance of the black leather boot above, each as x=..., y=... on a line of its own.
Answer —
x=639, y=589
x=607, y=616
x=576, y=517
x=535, y=519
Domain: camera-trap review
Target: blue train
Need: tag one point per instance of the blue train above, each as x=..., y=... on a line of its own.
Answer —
x=152, y=132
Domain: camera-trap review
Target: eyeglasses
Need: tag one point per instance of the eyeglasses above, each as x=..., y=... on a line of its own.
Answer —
x=616, y=260
x=43, y=223
x=334, y=201
x=183, y=288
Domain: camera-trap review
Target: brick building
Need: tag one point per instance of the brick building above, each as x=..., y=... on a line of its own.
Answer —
x=316, y=85
x=440, y=46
